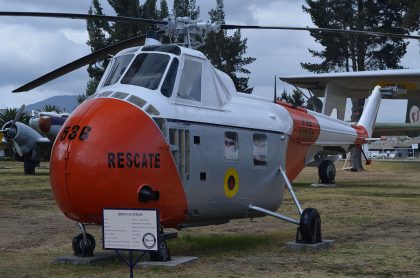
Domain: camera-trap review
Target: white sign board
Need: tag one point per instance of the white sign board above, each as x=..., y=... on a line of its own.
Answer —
x=415, y=146
x=130, y=229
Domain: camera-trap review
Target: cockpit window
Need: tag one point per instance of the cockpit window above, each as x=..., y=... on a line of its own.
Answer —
x=168, y=84
x=147, y=70
x=117, y=67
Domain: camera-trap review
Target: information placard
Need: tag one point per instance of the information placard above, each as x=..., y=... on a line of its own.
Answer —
x=130, y=229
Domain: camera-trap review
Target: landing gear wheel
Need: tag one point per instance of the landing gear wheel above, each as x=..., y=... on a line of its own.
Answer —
x=162, y=255
x=309, y=227
x=326, y=172
x=82, y=248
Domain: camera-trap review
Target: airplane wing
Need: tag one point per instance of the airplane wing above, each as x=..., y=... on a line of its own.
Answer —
x=358, y=84
x=400, y=129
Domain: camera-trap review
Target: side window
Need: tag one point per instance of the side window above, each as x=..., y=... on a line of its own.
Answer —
x=168, y=84
x=260, y=148
x=231, y=145
x=190, y=85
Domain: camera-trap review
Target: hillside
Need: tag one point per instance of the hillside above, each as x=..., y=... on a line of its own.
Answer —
x=66, y=103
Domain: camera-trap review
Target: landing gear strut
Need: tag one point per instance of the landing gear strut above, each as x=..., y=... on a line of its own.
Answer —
x=29, y=166
x=162, y=255
x=83, y=244
x=309, y=230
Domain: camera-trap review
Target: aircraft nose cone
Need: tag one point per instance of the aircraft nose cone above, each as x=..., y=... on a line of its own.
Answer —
x=44, y=123
x=106, y=153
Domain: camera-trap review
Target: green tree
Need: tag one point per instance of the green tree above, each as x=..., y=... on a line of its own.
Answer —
x=285, y=96
x=102, y=33
x=122, y=30
x=226, y=53
x=164, y=9
x=98, y=31
x=344, y=52
x=51, y=108
x=188, y=8
x=412, y=14
x=295, y=98
x=9, y=114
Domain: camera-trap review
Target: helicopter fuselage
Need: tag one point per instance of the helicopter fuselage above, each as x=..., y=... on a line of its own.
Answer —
x=168, y=131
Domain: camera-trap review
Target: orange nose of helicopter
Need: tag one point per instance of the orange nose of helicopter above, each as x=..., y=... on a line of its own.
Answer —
x=111, y=154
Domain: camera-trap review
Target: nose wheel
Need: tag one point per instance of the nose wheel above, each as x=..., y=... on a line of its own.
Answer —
x=83, y=244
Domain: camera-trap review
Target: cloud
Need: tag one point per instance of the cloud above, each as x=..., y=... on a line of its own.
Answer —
x=77, y=36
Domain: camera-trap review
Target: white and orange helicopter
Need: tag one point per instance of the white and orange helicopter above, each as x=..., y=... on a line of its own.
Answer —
x=166, y=130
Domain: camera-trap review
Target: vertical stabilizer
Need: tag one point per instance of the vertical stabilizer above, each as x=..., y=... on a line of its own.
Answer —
x=368, y=118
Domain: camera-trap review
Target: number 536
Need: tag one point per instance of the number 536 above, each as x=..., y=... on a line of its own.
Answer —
x=73, y=132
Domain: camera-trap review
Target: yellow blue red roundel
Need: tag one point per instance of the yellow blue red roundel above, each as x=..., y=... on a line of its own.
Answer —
x=231, y=183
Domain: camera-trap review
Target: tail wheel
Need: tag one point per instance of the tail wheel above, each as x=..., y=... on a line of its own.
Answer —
x=83, y=248
x=310, y=226
x=326, y=172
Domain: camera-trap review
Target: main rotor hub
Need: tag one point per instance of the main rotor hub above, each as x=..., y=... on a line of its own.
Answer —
x=192, y=32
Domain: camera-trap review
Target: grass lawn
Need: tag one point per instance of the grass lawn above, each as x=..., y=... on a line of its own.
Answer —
x=374, y=216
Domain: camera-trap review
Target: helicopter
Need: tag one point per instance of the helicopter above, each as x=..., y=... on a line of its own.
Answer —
x=166, y=130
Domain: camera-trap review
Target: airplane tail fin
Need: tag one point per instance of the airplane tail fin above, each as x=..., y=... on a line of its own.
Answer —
x=370, y=111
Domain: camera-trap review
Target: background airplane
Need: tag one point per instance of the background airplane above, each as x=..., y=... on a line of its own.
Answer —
x=31, y=144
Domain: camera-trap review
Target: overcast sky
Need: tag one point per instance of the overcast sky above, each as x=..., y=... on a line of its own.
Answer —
x=31, y=47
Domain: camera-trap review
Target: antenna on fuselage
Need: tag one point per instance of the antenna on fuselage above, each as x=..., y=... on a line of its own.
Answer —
x=275, y=88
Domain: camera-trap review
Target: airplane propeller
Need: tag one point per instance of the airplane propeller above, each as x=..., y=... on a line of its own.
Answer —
x=11, y=131
x=174, y=27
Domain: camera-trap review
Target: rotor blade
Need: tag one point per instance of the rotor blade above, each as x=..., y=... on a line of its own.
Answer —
x=326, y=30
x=86, y=16
x=18, y=114
x=17, y=148
x=88, y=59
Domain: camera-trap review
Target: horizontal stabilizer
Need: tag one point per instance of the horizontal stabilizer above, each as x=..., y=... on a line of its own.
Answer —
x=396, y=129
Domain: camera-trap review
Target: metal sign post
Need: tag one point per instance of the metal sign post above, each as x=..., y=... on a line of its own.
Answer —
x=130, y=230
